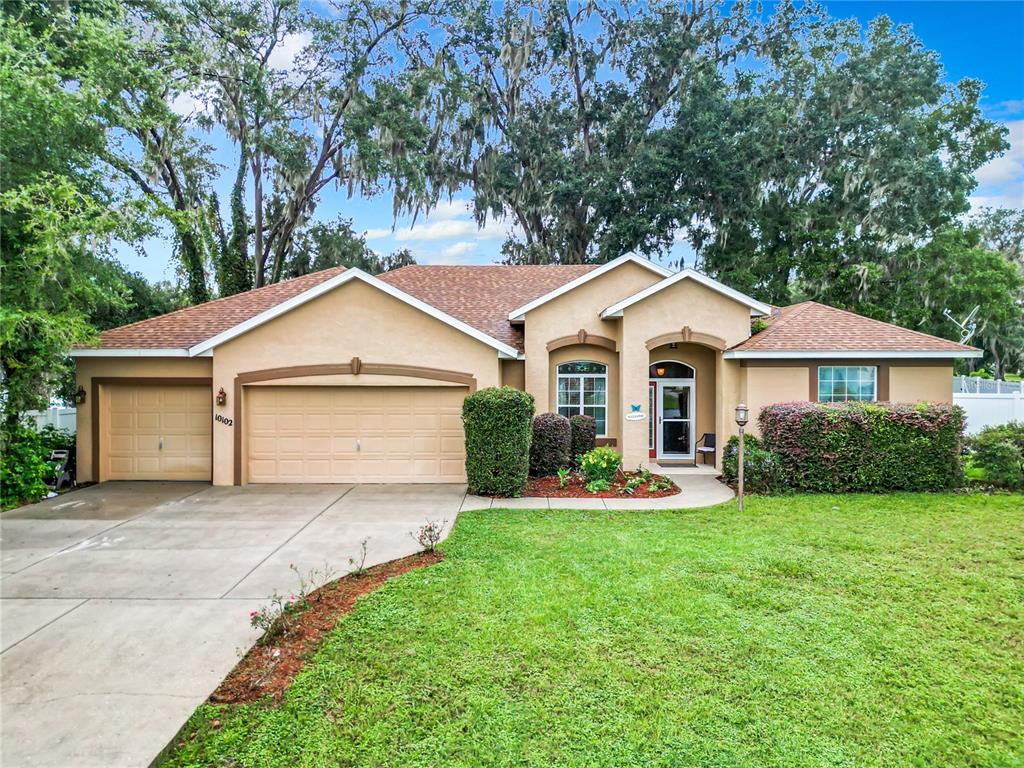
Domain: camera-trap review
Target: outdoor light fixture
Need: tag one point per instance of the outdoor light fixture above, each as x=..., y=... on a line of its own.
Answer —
x=742, y=416
x=222, y=397
x=660, y=371
x=80, y=395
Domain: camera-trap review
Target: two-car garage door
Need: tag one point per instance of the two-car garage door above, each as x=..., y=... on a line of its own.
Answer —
x=369, y=434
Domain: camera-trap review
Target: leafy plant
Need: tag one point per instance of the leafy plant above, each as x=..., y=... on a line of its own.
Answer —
x=660, y=484
x=429, y=535
x=497, y=421
x=23, y=467
x=998, y=451
x=564, y=473
x=584, y=436
x=357, y=564
x=549, y=448
x=601, y=464
x=598, y=486
x=762, y=468
x=278, y=617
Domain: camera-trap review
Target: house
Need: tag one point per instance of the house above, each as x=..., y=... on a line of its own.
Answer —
x=340, y=376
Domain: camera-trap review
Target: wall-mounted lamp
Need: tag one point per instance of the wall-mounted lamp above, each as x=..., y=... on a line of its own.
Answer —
x=222, y=397
x=660, y=371
x=80, y=395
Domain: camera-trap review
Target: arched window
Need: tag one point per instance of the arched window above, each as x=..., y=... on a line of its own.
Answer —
x=583, y=388
x=671, y=369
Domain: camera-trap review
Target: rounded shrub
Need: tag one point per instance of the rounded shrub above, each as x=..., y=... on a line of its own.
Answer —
x=23, y=467
x=601, y=464
x=497, y=425
x=762, y=468
x=584, y=436
x=999, y=452
x=549, y=449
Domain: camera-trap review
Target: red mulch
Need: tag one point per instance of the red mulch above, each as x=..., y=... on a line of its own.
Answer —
x=576, y=488
x=260, y=673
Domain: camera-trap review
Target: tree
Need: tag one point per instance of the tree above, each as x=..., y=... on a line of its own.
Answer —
x=321, y=246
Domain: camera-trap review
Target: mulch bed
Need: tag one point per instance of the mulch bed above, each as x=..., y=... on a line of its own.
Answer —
x=576, y=488
x=268, y=670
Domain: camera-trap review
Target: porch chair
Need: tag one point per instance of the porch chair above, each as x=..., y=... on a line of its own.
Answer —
x=706, y=445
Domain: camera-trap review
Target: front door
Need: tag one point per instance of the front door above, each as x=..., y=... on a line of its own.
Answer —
x=674, y=431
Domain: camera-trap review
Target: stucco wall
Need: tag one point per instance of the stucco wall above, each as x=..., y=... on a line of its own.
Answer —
x=765, y=385
x=685, y=304
x=579, y=308
x=354, y=320
x=513, y=373
x=86, y=368
x=911, y=383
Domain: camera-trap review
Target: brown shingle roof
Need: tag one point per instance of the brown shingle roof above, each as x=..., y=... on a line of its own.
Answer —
x=482, y=296
x=192, y=325
x=813, y=327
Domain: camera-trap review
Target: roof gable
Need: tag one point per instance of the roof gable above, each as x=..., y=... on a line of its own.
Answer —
x=517, y=314
x=810, y=329
x=756, y=307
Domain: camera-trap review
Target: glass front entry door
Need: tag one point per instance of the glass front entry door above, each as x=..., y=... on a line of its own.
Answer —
x=675, y=420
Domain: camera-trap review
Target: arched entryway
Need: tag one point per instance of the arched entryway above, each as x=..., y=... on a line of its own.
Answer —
x=672, y=389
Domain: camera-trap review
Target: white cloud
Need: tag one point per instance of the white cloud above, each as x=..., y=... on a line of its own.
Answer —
x=458, y=249
x=375, y=233
x=456, y=208
x=1005, y=109
x=1001, y=180
x=450, y=229
x=288, y=48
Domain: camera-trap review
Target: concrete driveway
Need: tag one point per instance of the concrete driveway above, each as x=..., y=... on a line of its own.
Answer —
x=125, y=604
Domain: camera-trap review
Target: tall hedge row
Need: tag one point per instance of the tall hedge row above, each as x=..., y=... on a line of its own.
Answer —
x=869, y=447
x=497, y=422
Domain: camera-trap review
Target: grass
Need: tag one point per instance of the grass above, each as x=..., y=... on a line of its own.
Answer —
x=808, y=631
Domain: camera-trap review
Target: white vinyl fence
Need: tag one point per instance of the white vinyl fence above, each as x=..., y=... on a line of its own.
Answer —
x=60, y=417
x=988, y=401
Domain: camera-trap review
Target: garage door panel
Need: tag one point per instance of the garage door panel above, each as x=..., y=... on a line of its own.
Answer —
x=354, y=434
x=138, y=417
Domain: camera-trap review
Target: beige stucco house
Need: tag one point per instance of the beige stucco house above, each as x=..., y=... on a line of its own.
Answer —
x=340, y=376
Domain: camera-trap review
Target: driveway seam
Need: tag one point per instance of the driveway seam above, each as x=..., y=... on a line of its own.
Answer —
x=44, y=626
x=94, y=535
x=278, y=547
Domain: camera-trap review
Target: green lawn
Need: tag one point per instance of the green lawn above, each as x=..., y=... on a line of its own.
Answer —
x=811, y=630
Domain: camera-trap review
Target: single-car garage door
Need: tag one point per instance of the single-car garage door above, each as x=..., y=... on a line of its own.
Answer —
x=354, y=434
x=157, y=433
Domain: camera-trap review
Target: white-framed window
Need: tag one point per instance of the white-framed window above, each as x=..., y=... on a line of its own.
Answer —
x=583, y=388
x=839, y=383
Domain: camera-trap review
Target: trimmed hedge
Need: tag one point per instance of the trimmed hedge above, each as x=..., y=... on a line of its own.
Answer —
x=762, y=467
x=584, y=436
x=497, y=423
x=867, y=447
x=999, y=452
x=549, y=450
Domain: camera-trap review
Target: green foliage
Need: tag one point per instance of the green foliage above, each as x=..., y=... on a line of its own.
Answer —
x=321, y=246
x=497, y=423
x=602, y=463
x=549, y=448
x=999, y=452
x=564, y=473
x=584, y=436
x=762, y=468
x=598, y=486
x=23, y=467
x=866, y=447
x=837, y=624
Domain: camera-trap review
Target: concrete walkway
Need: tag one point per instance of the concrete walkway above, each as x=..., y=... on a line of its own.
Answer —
x=125, y=604
x=698, y=487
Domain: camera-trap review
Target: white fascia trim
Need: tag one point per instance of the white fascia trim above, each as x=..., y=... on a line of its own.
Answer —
x=848, y=355
x=135, y=352
x=516, y=315
x=504, y=350
x=756, y=307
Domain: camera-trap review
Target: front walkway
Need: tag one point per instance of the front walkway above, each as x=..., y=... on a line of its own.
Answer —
x=698, y=487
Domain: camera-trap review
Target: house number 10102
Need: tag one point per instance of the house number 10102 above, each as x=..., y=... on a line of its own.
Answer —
x=223, y=420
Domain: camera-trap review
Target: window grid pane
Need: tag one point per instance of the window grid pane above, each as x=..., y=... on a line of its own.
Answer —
x=846, y=383
x=582, y=388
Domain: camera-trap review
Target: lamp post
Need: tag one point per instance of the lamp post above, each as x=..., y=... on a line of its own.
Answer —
x=741, y=419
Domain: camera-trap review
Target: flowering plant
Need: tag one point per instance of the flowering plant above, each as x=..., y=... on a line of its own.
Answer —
x=601, y=464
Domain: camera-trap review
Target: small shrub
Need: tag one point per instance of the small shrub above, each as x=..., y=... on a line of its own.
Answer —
x=497, y=424
x=998, y=451
x=429, y=535
x=866, y=447
x=598, y=486
x=584, y=436
x=357, y=564
x=23, y=467
x=601, y=464
x=762, y=468
x=549, y=449
x=563, y=476
x=278, y=617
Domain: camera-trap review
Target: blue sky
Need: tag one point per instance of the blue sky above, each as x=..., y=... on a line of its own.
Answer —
x=979, y=39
